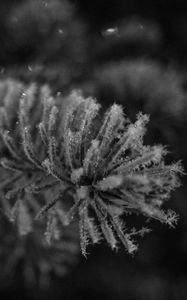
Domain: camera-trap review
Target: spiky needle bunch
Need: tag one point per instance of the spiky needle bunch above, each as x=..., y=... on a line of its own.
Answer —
x=61, y=149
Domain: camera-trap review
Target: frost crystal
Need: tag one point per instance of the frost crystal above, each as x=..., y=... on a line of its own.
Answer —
x=60, y=149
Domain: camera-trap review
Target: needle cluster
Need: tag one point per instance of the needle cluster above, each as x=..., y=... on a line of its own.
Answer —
x=63, y=159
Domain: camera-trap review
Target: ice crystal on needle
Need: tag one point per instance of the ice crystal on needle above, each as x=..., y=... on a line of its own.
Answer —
x=64, y=148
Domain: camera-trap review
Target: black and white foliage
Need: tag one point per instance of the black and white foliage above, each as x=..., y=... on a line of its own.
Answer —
x=64, y=159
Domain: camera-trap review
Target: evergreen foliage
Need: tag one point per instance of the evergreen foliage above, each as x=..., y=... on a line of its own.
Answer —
x=63, y=161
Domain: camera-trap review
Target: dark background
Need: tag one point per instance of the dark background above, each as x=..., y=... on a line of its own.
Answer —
x=154, y=32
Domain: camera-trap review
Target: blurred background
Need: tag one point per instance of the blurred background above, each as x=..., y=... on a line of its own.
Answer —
x=125, y=51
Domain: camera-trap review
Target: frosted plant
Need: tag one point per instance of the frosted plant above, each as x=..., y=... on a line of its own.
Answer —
x=66, y=161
